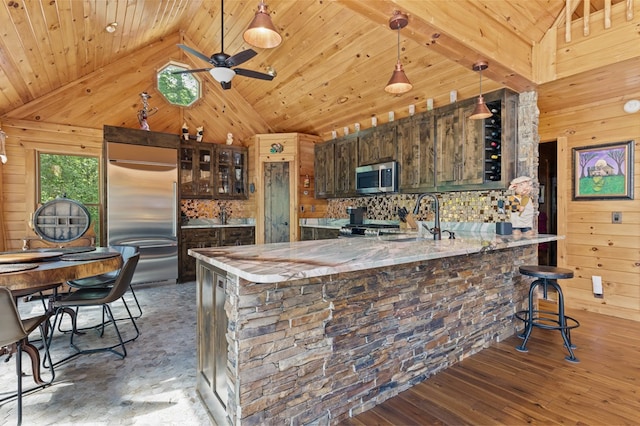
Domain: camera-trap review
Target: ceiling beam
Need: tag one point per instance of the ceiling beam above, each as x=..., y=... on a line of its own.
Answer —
x=466, y=42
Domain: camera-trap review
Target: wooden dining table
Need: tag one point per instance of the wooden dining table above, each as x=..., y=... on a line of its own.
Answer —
x=52, y=268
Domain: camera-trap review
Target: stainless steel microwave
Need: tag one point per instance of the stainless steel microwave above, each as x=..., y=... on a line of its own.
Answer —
x=377, y=178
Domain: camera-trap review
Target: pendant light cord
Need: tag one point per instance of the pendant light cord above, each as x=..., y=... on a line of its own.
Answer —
x=398, y=43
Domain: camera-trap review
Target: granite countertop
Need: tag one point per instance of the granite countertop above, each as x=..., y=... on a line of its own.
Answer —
x=215, y=223
x=305, y=259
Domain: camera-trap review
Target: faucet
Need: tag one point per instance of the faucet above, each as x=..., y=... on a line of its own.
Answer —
x=435, y=231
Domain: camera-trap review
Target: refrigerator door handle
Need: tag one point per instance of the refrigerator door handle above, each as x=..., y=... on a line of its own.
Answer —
x=175, y=210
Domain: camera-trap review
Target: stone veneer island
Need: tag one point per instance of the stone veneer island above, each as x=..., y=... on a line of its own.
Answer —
x=314, y=332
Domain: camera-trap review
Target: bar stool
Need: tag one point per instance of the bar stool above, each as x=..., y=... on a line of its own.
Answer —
x=546, y=277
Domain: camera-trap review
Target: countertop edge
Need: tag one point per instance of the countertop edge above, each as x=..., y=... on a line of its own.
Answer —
x=270, y=263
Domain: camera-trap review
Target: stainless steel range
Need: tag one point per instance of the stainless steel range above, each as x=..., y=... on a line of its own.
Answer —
x=368, y=229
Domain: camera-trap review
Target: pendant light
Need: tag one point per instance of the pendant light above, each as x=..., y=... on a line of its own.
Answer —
x=261, y=33
x=481, y=111
x=399, y=83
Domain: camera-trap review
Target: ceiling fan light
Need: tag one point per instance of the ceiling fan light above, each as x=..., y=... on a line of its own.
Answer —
x=222, y=74
x=399, y=83
x=480, y=111
x=261, y=32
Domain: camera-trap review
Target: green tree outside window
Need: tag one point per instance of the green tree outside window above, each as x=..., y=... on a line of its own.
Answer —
x=74, y=177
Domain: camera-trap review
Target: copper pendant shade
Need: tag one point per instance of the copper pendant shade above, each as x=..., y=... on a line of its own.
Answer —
x=261, y=32
x=481, y=111
x=399, y=83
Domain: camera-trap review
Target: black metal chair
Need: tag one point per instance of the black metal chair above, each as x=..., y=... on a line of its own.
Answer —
x=108, y=279
x=15, y=331
x=101, y=296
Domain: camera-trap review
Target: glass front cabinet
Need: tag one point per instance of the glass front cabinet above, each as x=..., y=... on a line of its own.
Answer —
x=213, y=171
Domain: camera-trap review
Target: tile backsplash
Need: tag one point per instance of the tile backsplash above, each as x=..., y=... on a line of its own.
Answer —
x=465, y=206
x=195, y=209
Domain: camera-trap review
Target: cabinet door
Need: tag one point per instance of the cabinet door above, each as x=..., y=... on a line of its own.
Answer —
x=187, y=171
x=415, y=138
x=204, y=185
x=345, y=166
x=377, y=144
x=386, y=137
x=238, y=236
x=326, y=233
x=195, y=238
x=230, y=172
x=324, y=169
x=459, y=149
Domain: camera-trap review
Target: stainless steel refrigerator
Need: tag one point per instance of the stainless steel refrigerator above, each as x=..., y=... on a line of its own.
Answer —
x=142, y=207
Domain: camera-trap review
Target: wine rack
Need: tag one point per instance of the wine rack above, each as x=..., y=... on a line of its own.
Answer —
x=493, y=143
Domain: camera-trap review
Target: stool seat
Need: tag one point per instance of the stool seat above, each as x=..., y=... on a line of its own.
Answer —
x=546, y=277
x=548, y=272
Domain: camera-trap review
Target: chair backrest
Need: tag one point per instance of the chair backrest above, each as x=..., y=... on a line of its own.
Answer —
x=123, y=281
x=126, y=252
x=12, y=330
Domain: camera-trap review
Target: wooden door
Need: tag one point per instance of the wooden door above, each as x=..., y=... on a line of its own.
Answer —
x=277, y=203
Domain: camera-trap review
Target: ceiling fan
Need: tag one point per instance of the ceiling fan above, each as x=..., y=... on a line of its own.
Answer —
x=222, y=63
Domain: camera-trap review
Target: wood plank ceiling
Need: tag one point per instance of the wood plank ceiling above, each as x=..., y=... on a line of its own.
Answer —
x=336, y=57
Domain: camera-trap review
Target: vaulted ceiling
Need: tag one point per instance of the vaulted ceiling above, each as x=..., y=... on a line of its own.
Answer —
x=332, y=66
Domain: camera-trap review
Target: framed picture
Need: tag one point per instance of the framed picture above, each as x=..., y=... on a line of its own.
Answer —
x=603, y=172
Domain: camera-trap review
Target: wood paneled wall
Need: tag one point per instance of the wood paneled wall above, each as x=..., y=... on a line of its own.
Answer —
x=593, y=245
x=70, y=120
x=24, y=140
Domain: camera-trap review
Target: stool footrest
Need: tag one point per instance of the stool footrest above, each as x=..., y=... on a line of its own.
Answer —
x=539, y=321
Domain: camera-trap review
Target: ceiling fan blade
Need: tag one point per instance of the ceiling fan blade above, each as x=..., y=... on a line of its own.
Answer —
x=191, y=71
x=253, y=74
x=195, y=53
x=240, y=58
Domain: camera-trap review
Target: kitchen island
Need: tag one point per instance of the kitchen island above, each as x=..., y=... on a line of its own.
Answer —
x=317, y=331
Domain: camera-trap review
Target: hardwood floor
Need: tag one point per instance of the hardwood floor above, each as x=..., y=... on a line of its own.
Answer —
x=500, y=385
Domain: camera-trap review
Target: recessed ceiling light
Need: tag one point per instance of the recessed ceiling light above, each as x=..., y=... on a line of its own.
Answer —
x=111, y=28
x=632, y=106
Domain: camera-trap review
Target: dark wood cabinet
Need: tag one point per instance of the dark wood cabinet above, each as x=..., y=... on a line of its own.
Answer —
x=213, y=171
x=314, y=233
x=415, y=136
x=477, y=154
x=440, y=150
x=195, y=238
x=238, y=236
x=230, y=172
x=196, y=177
x=209, y=237
x=459, y=148
x=324, y=169
x=377, y=144
x=346, y=152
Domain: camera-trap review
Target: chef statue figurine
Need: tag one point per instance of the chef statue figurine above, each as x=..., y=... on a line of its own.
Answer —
x=521, y=206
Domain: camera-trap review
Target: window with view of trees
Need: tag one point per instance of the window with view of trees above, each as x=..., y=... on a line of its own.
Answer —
x=178, y=89
x=74, y=177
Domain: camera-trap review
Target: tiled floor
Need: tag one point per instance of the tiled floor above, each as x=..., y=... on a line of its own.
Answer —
x=153, y=385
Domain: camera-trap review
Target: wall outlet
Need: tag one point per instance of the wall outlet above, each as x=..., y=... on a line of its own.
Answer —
x=596, y=281
x=616, y=217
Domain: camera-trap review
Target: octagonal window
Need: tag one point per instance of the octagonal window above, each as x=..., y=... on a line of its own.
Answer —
x=179, y=89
